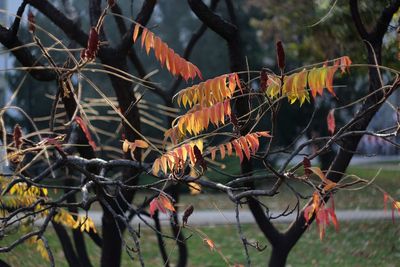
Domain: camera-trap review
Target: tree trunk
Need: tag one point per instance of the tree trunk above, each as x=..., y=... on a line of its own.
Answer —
x=278, y=257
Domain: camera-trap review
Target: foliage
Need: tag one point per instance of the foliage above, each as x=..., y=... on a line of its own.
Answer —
x=56, y=173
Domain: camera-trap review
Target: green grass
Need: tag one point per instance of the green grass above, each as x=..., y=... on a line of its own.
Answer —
x=367, y=198
x=357, y=244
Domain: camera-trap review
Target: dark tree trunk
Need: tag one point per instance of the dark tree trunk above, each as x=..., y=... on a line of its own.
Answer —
x=278, y=257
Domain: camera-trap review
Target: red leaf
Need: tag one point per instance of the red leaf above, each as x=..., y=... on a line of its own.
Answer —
x=31, y=21
x=263, y=80
x=85, y=130
x=186, y=214
x=199, y=157
x=92, y=45
x=331, y=122
x=280, y=55
x=306, y=166
x=153, y=207
x=17, y=135
x=334, y=218
x=385, y=200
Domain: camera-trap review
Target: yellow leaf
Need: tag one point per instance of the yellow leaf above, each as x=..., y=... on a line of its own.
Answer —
x=194, y=188
x=125, y=146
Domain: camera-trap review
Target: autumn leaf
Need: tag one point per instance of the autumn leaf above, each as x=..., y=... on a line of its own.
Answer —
x=331, y=121
x=17, y=136
x=127, y=145
x=161, y=203
x=85, y=224
x=385, y=200
x=244, y=146
x=334, y=219
x=294, y=85
x=31, y=22
x=92, y=47
x=209, y=92
x=111, y=3
x=198, y=118
x=328, y=183
x=153, y=207
x=395, y=206
x=166, y=202
x=263, y=80
x=280, y=55
x=186, y=214
x=167, y=57
x=210, y=244
x=345, y=63
x=314, y=206
x=238, y=149
x=194, y=188
x=199, y=158
x=85, y=130
x=306, y=166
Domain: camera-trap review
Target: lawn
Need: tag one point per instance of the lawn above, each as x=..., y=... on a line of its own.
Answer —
x=357, y=244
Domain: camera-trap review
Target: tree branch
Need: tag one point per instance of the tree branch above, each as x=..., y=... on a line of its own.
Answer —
x=142, y=18
x=384, y=20
x=357, y=20
x=216, y=23
x=24, y=56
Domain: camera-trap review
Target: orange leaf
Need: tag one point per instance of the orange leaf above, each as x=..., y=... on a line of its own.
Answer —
x=253, y=142
x=175, y=64
x=141, y=144
x=222, y=151
x=329, y=78
x=136, y=32
x=238, y=150
x=210, y=244
x=156, y=166
x=149, y=42
x=166, y=202
x=144, y=33
x=264, y=134
x=328, y=183
x=319, y=173
x=245, y=147
x=345, y=62
x=209, y=92
x=213, y=152
x=229, y=149
x=164, y=162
